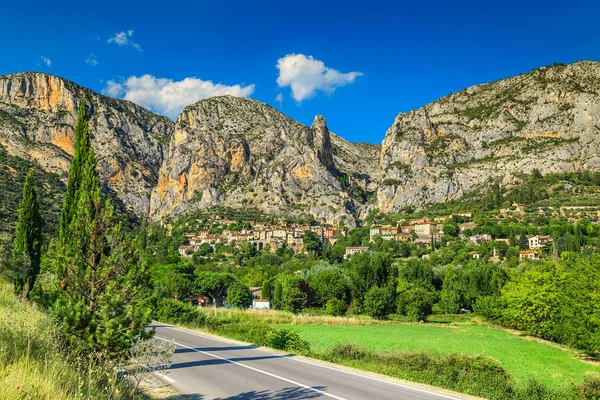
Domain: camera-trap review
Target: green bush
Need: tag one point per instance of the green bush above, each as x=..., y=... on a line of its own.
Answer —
x=379, y=302
x=173, y=311
x=589, y=388
x=287, y=339
x=336, y=307
x=239, y=296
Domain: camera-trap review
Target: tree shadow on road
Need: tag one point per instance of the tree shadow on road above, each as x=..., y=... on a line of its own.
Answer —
x=217, y=361
x=224, y=348
x=283, y=394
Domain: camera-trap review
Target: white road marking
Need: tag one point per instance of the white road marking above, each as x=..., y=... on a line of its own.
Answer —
x=328, y=367
x=165, y=377
x=258, y=370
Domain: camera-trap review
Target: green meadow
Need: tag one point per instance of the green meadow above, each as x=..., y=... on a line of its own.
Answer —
x=523, y=357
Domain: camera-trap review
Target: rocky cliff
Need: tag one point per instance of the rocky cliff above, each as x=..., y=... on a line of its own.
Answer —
x=37, y=119
x=548, y=119
x=240, y=152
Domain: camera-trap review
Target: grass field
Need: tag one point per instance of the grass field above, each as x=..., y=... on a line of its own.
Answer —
x=524, y=358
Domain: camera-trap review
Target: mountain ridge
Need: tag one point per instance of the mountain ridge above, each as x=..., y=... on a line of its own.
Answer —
x=240, y=152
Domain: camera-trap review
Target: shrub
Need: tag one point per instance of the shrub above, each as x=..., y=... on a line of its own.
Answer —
x=336, y=307
x=173, y=311
x=287, y=339
x=589, y=388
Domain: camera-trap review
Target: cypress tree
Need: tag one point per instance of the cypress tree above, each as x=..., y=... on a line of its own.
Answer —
x=523, y=242
x=100, y=278
x=28, y=238
x=81, y=149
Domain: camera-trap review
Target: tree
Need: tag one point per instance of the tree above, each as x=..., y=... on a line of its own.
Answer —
x=312, y=242
x=366, y=270
x=14, y=266
x=99, y=279
x=415, y=299
x=523, y=242
x=28, y=237
x=82, y=147
x=277, y=294
x=214, y=285
x=267, y=288
x=450, y=228
x=239, y=296
x=330, y=284
x=336, y=307
x=293, y=299
x=379, y=302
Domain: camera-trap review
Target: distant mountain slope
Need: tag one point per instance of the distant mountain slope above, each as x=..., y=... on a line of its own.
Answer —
x=37, y=117
x=548, y=119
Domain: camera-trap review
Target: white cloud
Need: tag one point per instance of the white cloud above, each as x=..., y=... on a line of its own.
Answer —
x=47, y=61
x=168, y=97
x=124, y=39
x=279, y=99
x=91, y=60
x=113, y=89
x=305, y=75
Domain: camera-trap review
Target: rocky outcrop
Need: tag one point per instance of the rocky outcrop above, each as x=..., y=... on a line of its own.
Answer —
x=548, y=119
x=37, y=117
x=240, y=152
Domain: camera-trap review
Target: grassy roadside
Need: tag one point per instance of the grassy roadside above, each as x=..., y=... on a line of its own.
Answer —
x=33, y=365
x=460, y=363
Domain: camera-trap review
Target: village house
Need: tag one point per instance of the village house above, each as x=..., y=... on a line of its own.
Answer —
x=442, y=218
x=535, y=242
x=528, y=255
x=425, y=229
x=464, y=214
x=186, y=251
x=465, y=226
x=483, y=238
x=407, y=228
x=356, y=249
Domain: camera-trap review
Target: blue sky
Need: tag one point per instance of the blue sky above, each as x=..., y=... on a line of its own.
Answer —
x=357, y=63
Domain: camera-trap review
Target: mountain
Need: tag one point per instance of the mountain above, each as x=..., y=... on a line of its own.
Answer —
x=548, y=119
x=37, y=119
x=240, y=152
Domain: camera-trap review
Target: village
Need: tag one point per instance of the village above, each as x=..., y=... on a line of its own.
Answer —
x=424, y=232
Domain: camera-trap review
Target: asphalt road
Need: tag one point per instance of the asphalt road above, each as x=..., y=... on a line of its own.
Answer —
x=209, y=368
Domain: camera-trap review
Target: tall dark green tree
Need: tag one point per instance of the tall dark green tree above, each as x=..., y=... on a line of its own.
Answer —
x=523, y=242
x=100, y=279
x=82, y=148
x=28, y=238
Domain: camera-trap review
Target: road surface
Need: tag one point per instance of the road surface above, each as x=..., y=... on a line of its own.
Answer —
x=205, y=368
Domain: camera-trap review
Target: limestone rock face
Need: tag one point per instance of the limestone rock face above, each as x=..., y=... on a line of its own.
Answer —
x=243, y=153
x=548, y=119
x=240, y=152
x=38, y=113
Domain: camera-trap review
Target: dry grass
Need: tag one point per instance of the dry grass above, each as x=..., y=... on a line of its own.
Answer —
x=275, y=317
x=33, y=366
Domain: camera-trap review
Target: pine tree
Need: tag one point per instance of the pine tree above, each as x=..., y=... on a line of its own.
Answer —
x=28, y=238
x=100, y=278
x=82, y=147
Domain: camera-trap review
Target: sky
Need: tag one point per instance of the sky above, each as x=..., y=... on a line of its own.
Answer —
x=358, y=63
